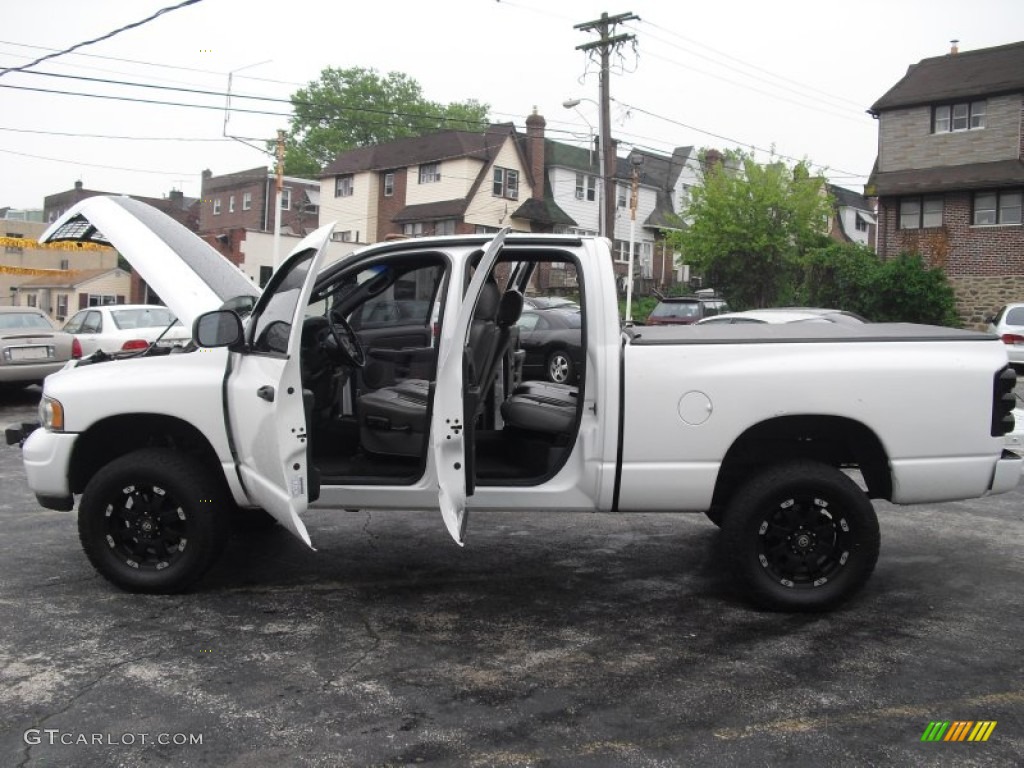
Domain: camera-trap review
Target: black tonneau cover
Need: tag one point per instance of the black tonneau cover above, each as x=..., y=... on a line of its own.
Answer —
x=795, y=333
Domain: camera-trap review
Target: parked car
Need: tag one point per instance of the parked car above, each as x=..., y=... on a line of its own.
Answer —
x=786, y=315
x=30, y=347
x=125, y=328
x=1008, y=324
x=548, y=302
x=686, y=310
x=551, y=340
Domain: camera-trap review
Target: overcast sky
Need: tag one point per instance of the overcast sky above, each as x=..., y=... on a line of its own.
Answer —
x=793, y=75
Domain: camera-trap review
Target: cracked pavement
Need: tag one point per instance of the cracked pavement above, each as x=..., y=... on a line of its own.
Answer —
x=550, y=640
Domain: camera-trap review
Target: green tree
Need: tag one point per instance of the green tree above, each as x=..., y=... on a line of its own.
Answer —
x=750, y=226
x=357, y=107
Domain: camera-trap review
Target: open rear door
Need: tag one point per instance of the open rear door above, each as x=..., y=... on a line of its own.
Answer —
x=450, y=439
x=264, y=392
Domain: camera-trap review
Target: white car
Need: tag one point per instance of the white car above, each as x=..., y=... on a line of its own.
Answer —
x=1008, y=325
x=125, y=328
x=785, y=315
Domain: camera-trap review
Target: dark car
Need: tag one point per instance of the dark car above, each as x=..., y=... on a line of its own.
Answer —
x=551, y=339
x=686, y=310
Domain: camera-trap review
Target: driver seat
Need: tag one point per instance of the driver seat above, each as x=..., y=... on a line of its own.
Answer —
x=393, y=420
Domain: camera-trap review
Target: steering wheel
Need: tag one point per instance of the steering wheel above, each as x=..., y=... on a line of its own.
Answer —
x=346, y=339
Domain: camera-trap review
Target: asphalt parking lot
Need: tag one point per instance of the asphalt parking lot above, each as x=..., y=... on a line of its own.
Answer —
x=550, y=640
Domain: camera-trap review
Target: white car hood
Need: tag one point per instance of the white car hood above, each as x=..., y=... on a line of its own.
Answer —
x=189, y=275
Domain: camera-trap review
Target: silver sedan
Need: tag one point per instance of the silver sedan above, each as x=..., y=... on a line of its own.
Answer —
x=30, y=347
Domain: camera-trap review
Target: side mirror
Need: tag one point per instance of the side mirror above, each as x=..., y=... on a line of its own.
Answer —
x=220, y=328
x=990, y=319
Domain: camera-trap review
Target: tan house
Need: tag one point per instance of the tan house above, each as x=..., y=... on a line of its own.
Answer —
x=20, y=262
x=64, y=293
x=446, y=183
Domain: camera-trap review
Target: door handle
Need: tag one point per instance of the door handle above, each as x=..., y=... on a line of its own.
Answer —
x=266, y=392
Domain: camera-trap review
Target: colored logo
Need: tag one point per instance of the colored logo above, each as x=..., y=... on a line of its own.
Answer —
x=958, y=730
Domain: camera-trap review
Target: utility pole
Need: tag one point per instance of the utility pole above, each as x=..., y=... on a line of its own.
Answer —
x=634, y=193
x=278, y=187
x=605, y=45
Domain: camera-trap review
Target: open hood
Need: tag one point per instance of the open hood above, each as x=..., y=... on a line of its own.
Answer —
x=189, y=275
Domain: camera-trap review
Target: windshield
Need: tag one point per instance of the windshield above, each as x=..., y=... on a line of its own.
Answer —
x=148, y=317
x=10, y=320
x=676, y=309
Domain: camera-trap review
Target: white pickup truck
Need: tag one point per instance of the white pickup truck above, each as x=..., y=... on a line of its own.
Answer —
x=390, y=380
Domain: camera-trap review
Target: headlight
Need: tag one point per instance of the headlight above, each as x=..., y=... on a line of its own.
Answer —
x=51, y=414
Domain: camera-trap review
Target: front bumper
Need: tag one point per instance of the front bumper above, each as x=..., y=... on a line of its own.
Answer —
x=47, y=459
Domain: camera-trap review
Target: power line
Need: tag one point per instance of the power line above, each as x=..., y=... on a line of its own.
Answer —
x=105, y=136
x=96, y=165
x=107, y=36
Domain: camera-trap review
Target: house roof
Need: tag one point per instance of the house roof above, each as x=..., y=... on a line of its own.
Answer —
x=946, y=178
x=66, y=279
x=984, y=72
x=416, y=150
x=847, y=198
x=444, y=209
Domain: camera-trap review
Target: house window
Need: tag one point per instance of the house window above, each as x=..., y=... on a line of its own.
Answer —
x=216, y=206
x=998, y=207
x=920, y=212
x=246, y=201
x=14, y=248
x=506, y=183
x=444, y=227
x=62, y=306
x=586, y=187
x=30, y=299
x=620, y=196
x=389, y=184
x=103, y=300
x=344, y=186
x=430, y=172
x=480, y=229
x=286, y=199
x=413, y=230
x=65, y=264
x=265, y=275
x=860, y=223
x=231, y=204
x=958, y=117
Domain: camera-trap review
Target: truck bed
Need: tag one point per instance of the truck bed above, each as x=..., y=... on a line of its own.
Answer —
x=795, y=333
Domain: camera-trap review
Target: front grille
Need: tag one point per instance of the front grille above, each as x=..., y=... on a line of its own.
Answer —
x=1003, y=401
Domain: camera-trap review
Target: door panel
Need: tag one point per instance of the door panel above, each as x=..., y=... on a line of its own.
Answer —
x=264, y=392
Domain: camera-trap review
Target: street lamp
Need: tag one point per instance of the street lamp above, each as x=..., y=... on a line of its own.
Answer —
x=602, y=218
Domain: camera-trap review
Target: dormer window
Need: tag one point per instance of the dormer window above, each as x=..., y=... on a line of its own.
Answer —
x=506, y=183
x=965, y=116
x=430, y=172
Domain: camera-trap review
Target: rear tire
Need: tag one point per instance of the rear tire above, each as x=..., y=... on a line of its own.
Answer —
x=801, y=537
x=153, y=521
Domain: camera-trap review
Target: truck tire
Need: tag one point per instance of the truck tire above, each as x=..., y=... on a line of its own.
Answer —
x=801, y=537
x=153, y=521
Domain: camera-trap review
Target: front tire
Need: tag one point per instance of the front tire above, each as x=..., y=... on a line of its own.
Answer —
x=153, y=521
x=801, y=536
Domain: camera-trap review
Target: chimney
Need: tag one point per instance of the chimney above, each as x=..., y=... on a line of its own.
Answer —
x=712, y=159
x=78, y=185
x=953, y=48
x=535, y=132
x=177, y=197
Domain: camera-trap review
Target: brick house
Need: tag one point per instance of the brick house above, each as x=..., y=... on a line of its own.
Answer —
x=244, y=200
x=949, y=177
x=854, y=218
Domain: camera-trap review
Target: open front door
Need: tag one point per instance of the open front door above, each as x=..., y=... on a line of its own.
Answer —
x=449, y=426
x=264, y=392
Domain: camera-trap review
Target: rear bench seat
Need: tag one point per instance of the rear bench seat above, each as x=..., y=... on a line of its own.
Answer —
x=539, y=406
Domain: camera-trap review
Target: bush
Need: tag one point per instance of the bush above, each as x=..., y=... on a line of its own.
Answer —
x=903, y=289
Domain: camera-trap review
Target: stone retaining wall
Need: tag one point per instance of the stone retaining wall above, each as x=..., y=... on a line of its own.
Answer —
x=978, y=297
